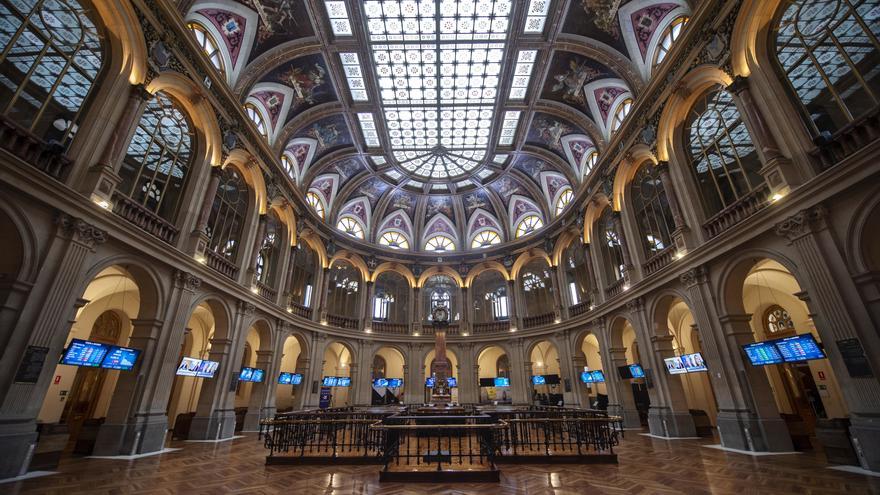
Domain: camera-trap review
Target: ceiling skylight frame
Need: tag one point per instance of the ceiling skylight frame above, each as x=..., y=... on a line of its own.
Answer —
x=354, y=75
x=368, y=129
x=337, y=13
x=536, y=16
x=522, y=74
x=508, y=127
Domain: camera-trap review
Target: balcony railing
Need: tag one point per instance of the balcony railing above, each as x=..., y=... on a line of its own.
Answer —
x=491, y=327
x=221, y=264
x=538, y=320
x=299, y=310
x=737, y=212
x=615, y=288
x=848, y=140
x=343, y=322
x=579, y=308
x=267, y=292
x=450, y=330
x=21, y=143
x=390, y=328
x=143, y=218
x=659, y=260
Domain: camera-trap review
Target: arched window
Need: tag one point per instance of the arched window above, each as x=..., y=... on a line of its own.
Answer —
x=257, y=118
x=343, y=287
x=394, y=240
x=351, y=227
x=391, y=298
x=537, y=288
x=50, y=52
x=592, y=160
x=303, y=274
x=485, y=238
x=528, y=225
x=208, y=44
x=828, y=52
x=620, y=114
x=563, y=201
x=610, y=242
x=289, y=167
x=227, y=214
x=577, y=272
x=490, y=301
x=724, y=159
x=777, y=320
x=668, y=38
x=316, y=203
x=156, y=166
x=440, y=290
x=439, y=244
x=652, y=209
x=267, y=258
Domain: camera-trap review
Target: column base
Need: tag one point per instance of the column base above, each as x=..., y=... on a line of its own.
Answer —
x=144, y=434
x=665, y=422
x=630, y=417
x=741, y=430
x=17, y=442
x=865, y=434
x=218, y=426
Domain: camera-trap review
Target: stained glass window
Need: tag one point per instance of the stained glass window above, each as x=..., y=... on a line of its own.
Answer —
x=439, y=244
x=620, y=114
x=208, y=45
x=724, y=159
x=156, y=166
x=652, y=209
x=351, y=227
x=668, y=38
x=528, y=225
x=394, y=240
x=227, y=214
x=592, y=160
x=828, y=50
x=485, y=238
x=50, y=54
x=612, y=251
x=257, y=118
x=288, y=165
x=316, y=203
x=563, y=201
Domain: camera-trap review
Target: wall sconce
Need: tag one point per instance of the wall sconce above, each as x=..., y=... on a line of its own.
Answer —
x=101, y=202
x=776, y=197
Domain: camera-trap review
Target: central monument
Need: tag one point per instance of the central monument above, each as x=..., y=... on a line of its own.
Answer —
x=440, y=369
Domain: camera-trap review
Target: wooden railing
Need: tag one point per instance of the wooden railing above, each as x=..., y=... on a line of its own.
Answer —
x=615, y=288
x=221, y=264
x=298, y=309
x=491, y=327
x=848, y=140
x=267, y=292
x=659, y=260
x=579, y=308
x=391, y=328
x=538, y=320
x=45, y=157
x=343, y=322
x=737, y=212
x=143, y=218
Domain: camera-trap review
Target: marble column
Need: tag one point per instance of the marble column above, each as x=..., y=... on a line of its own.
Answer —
x=466, y=309
x=259, y=404
x=417, y=312
x=199, y=243
x=513, y=301
x=595, y=290
x=624, y=247
x=367, y=307
x=681, y=235
x=626, y=403
x=557, y=294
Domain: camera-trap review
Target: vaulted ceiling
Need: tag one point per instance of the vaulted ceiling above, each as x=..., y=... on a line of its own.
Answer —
x=437, y=117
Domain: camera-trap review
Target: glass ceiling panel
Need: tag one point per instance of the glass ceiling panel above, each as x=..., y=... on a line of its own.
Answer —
x=438, y=65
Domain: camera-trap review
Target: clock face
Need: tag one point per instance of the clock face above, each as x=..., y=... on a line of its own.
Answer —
x=440, y=314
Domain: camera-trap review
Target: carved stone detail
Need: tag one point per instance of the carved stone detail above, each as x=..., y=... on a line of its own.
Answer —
x=80, y=231
x=802, y=223
x=187, y=280
x=694, y=276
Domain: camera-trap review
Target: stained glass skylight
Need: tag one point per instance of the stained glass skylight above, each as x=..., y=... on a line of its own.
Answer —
x=508, y=127
x=354, y=74
x=338, y=15
x=536, y=16
x=522, y=74
x=438, y=66
x=368, y=127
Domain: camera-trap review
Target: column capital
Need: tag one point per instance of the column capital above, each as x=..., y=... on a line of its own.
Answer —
x=804, y=222
x=635, y=305
x=80, y=231
x=187, y=281
x=695, y=276
x=739, y=84
x=140, y=92
x=246, y=308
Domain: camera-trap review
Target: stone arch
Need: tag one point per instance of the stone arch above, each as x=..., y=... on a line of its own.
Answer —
x=393, y=266
x=220, y=311
x=244, y=164
x=863, y=257
x=20, y=261
x=525, y=258
x=593, y=211
x=485, y=266
x=440, y=270
x=153, y=293
x=735, y=271
x=354, y=259
x=627, y=169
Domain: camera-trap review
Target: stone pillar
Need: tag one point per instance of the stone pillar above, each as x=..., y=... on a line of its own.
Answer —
x=282, y=279
x=199, y=236
x=557, y=294
x=740, y=425
x=626, y=403
x=624, y=247
x=412, y=389
x=681, y=234
x=591, y=275
x=102, y=178
x=417, y=312
x=215, y=412
x=581, y=397
x=564, y=358
x=255, y=252
x=513, y=300
x=261, y=404
x=302, y=390
x=779, y=172
x=367, y=308
x=466, y=309
x=596, y=270
x=316, y=370
x=468, y=385
x=322, y=296
x=317, y=302
x=43, y=324
x=840, y=316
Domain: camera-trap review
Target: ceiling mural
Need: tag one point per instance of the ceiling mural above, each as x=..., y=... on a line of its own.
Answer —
x=447, y=106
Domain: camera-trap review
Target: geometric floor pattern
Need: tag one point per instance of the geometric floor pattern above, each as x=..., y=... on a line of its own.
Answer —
x=647, y=466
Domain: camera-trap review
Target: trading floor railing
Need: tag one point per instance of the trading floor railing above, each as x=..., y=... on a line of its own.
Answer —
x=342, y=437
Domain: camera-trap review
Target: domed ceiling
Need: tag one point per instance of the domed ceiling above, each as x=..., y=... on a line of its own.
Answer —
x=437, y=125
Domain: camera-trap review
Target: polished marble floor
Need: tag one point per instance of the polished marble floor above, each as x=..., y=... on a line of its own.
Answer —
x=647, y=466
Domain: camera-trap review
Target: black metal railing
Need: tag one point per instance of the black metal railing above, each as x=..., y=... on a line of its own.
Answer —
x=315, y=437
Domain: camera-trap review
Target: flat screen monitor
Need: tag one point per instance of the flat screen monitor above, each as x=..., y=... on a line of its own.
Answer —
x=598, y=376
x=85, y=353
x=120, y=358
x=675, y=366
x=762, y=353
x=501, y=381
x=694, y=362
x=246, y=374
x=258, y=375
x=329, y=381
x=799, y=348
x=429, y=382
x=487, y=382
x=637, y=371
x=587, y=377
x=395, y=382
x=539, y=380
x=343, y=381
x=201, y=368
x=624, y=372
x=285, y=378
x=552, y=379
x=451, y=382
x=297, y=379
x=380, y=382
